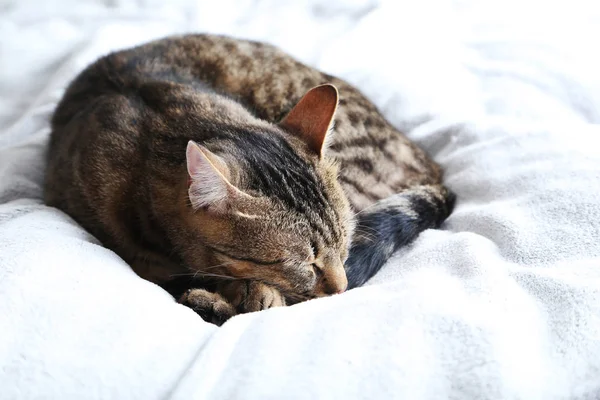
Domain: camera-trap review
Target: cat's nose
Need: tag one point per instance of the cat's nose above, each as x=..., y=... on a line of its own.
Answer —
x=334, y=279
x=335, y=287
x=341, y=288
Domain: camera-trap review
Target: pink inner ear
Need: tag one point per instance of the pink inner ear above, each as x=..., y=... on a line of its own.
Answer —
x=206, y=185
x=311, y=118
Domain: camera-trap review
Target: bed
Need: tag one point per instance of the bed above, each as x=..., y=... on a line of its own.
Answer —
x=502, y=302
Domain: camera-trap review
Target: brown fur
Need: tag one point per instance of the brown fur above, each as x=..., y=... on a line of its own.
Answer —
x=117, y=164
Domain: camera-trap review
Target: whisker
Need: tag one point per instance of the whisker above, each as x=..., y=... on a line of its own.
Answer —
x=219, y=265
x=209, y=275
x=368, y=233
x=202, y=271
x=203, y=274
x=356, y=214
x=367, y=229
x=184, y=274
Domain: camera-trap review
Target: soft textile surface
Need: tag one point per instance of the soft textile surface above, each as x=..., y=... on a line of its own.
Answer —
x=502, y=303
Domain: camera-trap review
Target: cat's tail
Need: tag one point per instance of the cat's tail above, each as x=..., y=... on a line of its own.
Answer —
x=392, y=223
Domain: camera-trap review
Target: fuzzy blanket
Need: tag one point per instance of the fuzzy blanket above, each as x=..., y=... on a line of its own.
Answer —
x=502, y=303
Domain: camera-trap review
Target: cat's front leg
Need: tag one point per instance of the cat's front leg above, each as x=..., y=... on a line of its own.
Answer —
x=212, y=307
x=249, y=296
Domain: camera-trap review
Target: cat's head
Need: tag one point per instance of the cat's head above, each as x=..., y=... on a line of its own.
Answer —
x=267, y=204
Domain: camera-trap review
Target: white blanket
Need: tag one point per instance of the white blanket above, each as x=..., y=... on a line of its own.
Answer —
x=502, y=303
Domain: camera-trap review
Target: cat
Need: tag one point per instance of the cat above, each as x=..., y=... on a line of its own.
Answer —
x=235, y=176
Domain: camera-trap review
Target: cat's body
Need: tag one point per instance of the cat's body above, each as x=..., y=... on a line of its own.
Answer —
x=118, y=161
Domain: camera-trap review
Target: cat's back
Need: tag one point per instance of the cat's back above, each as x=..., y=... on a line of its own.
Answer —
x=376, y=160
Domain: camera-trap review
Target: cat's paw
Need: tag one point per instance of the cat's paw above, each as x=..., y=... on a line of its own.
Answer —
x=249, y=296
x=212, y=307
x=261, y=297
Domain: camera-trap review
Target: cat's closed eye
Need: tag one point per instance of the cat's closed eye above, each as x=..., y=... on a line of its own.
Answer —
x=259, y=188
x=317, y=271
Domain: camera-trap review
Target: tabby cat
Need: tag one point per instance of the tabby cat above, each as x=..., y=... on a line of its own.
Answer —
x=235, y=176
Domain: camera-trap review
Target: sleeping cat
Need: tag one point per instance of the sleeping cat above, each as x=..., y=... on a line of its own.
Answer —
x=235, y=176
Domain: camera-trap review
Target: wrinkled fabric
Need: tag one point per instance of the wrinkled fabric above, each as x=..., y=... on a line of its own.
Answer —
x=503, y=302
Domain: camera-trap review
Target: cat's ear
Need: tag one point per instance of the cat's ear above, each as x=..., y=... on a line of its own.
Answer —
x=312, y=117
x=208, y=184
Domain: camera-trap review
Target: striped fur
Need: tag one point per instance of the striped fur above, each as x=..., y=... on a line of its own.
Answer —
x=286, y=213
